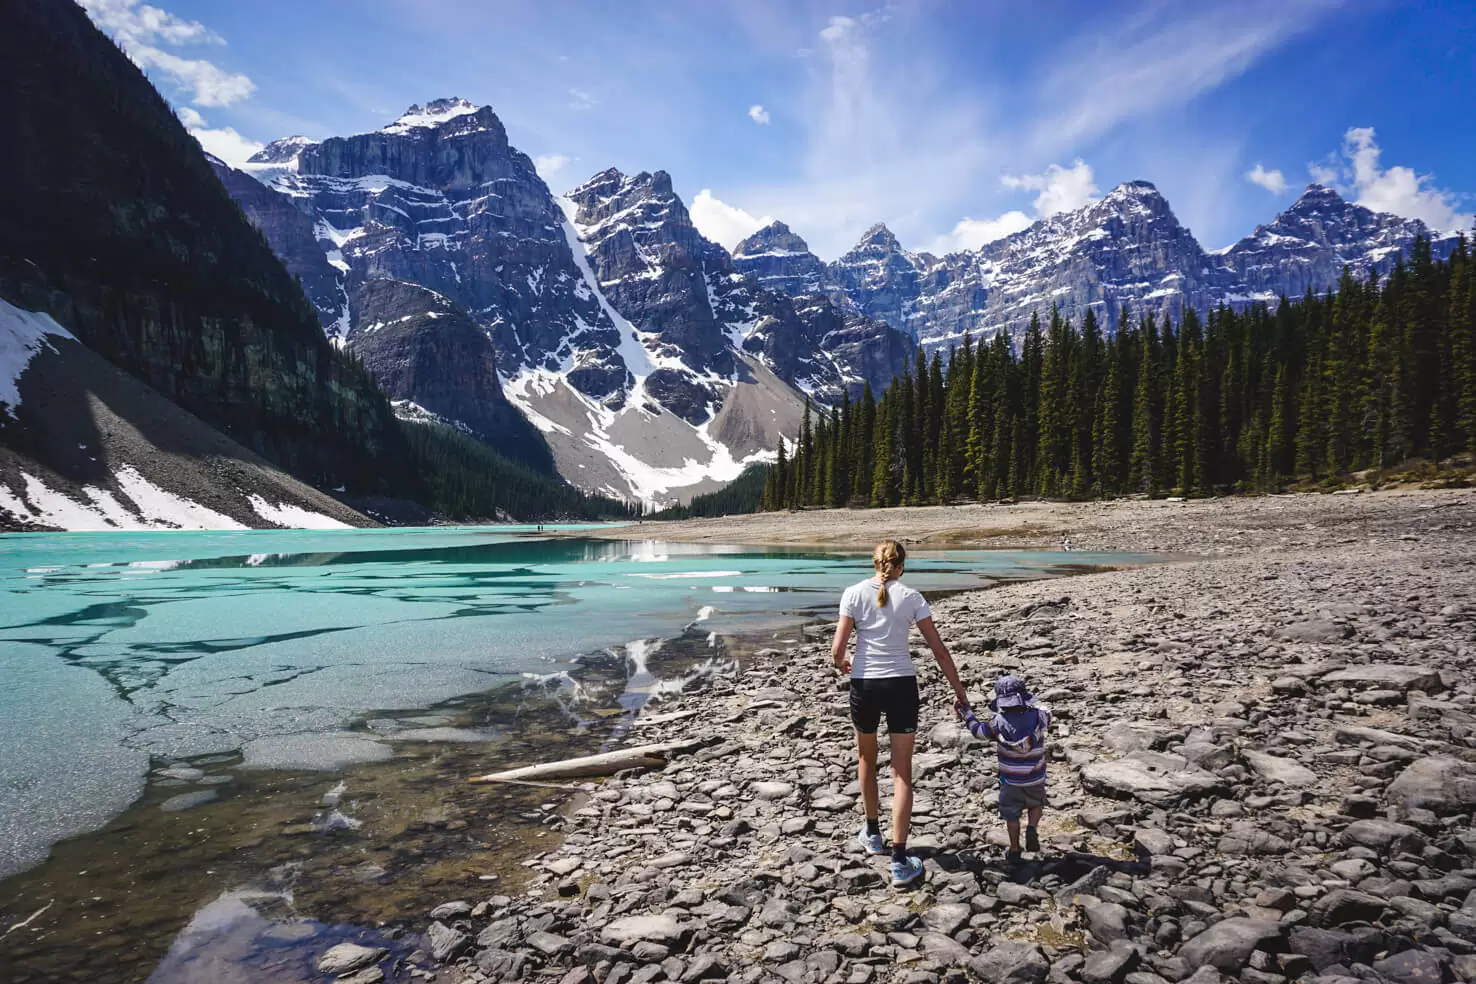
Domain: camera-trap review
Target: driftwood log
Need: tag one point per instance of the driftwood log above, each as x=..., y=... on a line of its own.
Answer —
x=641, y=756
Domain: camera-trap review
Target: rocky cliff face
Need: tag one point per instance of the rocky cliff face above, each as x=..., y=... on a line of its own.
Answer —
x=613, y=325
x=1307, y=246
x=430, y=357
x=1125, y=251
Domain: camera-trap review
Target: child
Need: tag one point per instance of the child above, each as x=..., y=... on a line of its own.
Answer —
x=1018, y=729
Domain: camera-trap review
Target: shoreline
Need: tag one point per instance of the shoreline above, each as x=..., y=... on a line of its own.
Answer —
x=1240, y=781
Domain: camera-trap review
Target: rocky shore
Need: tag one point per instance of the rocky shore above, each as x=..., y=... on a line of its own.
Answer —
x=1263, y=770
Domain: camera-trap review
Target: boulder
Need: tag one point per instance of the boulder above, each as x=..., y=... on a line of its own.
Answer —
x=1342, y=906
x=1011, y=963
x=1384, y=836
x=1153, y=777
x=629, y=930
x=446, y=944
x=1228, y=944
x=1415, y=966
x=1385, y=676
x=348, y=957
x=1328, y=947
x=1316, y=630
x=1439, y=784
x=1273, y=768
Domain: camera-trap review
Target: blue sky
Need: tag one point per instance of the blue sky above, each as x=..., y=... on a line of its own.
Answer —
x=952, y=122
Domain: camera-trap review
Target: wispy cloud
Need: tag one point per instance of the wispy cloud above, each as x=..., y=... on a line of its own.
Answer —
x=1166, y=54
x=140, y=29
x=758, y=114
x=580, y=99
x=1273, y=180
x=549, y=165
x=1355, y=171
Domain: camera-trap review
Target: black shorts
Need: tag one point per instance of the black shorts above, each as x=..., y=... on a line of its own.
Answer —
x=896, y=697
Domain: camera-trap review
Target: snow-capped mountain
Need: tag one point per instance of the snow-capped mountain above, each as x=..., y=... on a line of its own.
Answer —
x=1307, y=246
x=616, y=328
x=1124, y=251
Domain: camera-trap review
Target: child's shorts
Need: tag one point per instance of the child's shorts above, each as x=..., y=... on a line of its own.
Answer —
x=1015, y=800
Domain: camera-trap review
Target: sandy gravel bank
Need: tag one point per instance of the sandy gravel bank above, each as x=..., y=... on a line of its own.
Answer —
x=1200, y=526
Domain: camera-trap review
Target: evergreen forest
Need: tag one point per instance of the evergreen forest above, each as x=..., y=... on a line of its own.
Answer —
x=1367, y=377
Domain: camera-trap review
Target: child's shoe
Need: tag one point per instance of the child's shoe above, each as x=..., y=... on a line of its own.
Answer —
x=1013, y=856
x=1032, y=840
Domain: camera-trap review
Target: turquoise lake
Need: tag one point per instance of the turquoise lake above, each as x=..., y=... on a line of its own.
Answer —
x=119, y=651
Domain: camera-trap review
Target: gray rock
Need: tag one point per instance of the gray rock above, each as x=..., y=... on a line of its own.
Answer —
x=1384, y=676
x=943, y=950
x=1011, y=963
x=451, y=910
x=549, y=944
x=1273, y=768
x=502, y=965
x=1106, y=921
x=1153, y=840
x=1342, y=906
x=1414, y=966
x=1153, y=777
x=446, y=944
x=946, y=917
x=347, y=957
x=628, y=930
x=1228, y=944
x=1109, y=966
x=1384, y=836
x=1328, y=947
x=1441, y=784
x=1316, y=630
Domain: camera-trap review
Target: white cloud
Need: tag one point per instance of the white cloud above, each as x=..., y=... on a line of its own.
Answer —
x=758, y=114
x=580, y=99
x=1062, y=189
x=973, y=233
x=1273, y=180
x=1165, y=54
x=549, y=164
x=140, y=29
x=1355, y=172
x=723, y=223
x=224, y=142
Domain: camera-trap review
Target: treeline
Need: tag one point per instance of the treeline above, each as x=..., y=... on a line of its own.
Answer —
x=742, y=495
x=461, y=478
x=1367, y=377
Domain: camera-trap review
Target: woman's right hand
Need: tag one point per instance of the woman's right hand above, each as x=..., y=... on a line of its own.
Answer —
x=843, y=664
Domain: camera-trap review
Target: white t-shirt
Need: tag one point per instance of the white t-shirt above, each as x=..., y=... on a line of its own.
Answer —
x=881, y=633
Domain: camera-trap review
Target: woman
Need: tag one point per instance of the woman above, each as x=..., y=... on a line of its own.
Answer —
x=881, y=610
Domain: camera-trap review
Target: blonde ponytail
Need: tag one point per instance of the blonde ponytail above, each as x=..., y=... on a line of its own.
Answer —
x=887, y=558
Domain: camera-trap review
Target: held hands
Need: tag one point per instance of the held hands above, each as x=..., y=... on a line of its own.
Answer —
x=961, y=706
x=842, y=663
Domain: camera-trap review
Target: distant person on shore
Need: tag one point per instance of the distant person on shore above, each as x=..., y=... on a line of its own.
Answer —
x=1018, y=729
x=881, y=611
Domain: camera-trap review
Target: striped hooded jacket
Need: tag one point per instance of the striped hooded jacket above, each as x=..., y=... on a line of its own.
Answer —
x=1019, y=739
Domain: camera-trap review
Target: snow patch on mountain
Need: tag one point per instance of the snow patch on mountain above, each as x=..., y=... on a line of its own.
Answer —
x=432, y=114
x=23, y=335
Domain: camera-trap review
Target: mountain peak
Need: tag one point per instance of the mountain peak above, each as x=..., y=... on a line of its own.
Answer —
x=432, y=114
x=1137, y=188
x=1319, y=195
x=280, y=151
x=878, y=235
x=776, y=237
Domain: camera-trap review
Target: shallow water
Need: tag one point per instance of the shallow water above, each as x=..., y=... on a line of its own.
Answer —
x=127, y=657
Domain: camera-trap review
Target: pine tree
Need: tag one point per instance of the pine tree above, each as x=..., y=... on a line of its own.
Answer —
x=1146, y=424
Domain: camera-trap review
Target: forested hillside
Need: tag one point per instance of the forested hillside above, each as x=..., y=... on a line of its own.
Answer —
x=1367, y=377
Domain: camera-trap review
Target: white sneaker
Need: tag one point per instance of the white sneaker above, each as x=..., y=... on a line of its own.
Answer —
x=872, y=842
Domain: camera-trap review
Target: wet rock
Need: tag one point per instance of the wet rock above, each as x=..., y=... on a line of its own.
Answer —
x=347, y=957
x=502, y=965
x=188, y=801
x=1228, y=944
x=451, y=910
x=1011, y=963
x=446, y=944
x=366, y=975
